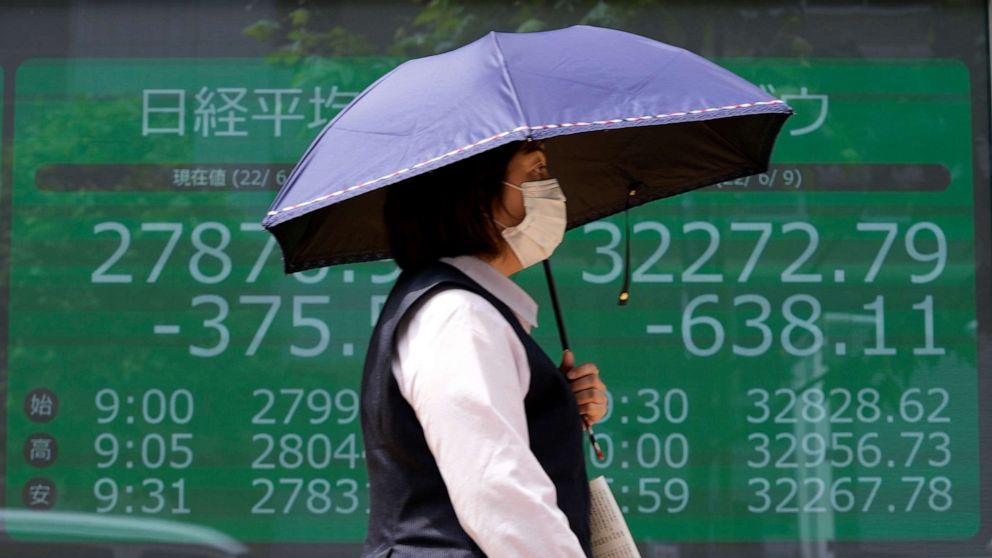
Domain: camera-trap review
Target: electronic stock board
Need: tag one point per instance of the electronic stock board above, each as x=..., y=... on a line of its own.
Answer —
x=798, y=360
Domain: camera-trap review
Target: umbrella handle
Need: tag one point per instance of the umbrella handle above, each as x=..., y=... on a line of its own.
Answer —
x=562, y=335
x=566, y=347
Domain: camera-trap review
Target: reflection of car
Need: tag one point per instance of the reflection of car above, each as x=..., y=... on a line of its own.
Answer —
x=109, y=536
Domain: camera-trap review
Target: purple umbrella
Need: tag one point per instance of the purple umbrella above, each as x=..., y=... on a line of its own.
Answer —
x=626, y=120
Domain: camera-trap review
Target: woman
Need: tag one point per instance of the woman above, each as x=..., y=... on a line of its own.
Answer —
x=472, y=434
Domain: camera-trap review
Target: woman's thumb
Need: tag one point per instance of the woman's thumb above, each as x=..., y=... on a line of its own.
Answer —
x=567, y=360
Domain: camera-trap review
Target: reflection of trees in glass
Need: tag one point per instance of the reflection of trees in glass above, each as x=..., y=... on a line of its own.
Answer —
x=796, y=28
x=101, y=128
x=49, y=230
x=435, y=26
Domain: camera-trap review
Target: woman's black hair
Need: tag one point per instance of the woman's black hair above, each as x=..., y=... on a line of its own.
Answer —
x=448, y=211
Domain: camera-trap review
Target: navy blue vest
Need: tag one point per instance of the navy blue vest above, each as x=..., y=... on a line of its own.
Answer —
x=410, y=513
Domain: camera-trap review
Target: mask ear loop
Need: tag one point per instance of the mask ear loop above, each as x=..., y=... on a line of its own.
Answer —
x=625, y=290
x=515, y=187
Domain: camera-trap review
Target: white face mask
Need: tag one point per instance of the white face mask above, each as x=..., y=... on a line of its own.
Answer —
x=543, y=226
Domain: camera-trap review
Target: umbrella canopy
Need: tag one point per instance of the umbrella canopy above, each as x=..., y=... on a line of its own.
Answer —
x=615, y=109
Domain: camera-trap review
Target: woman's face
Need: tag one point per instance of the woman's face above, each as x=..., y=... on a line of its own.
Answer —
x=523, y=167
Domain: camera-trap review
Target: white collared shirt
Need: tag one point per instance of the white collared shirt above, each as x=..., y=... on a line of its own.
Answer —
x=465, y=372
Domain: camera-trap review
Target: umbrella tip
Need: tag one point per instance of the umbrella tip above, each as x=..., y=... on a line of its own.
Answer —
x=622, y=299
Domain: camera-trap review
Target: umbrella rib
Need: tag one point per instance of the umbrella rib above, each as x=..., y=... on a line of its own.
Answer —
x=509, y=81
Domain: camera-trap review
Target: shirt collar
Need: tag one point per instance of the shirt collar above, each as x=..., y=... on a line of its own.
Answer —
x=500, y=286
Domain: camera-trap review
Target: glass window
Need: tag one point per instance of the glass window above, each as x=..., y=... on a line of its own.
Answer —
x=797, y=372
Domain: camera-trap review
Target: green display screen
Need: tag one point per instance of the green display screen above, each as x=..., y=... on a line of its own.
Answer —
x=798, y=360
